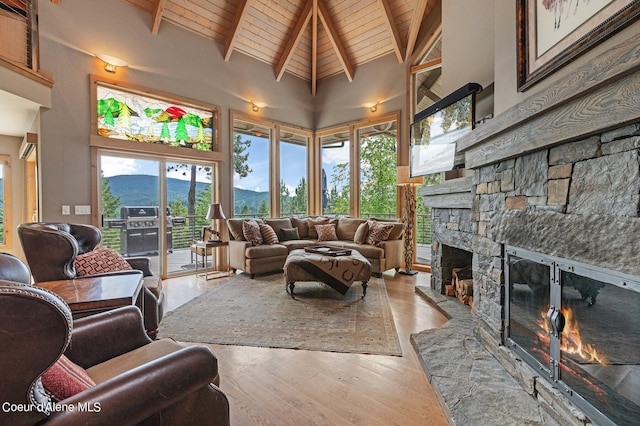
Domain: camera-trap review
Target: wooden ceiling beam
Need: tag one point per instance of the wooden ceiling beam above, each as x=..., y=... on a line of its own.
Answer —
x=436, y=63
x=293, y=40
x=335, y=40
x=238, y=18
x=414, y=26
x=314, y=48
x=156, y=15
x=393, y=29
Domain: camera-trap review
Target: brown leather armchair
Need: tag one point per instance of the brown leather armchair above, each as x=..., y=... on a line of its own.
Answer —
x=138, y=381
x=51, y=250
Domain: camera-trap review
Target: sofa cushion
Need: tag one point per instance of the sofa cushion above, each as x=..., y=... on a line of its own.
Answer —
x=65, y=379
x=269, y=236
x=347, y=227
x=327, y=232
x=303, y=226
x=287, y=234
x=251, y=232
x=361, y=233
x=235, y=228
x=368, y=251
x=262, y=251
x=100, y=261
x=298, y=244
x=378, y=232
x=278, y=224
x=313, y=233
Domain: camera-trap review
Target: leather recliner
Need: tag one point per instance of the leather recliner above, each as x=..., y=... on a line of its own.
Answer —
x=138, y=380
x=51, y=250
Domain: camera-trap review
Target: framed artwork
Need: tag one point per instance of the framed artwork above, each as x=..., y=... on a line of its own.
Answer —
x=552, y=33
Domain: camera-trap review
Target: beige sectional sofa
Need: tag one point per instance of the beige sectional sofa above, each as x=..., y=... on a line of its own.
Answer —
x=257, y=259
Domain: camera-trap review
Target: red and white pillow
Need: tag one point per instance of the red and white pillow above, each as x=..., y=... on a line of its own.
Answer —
x=100, y=261
x=65, y=379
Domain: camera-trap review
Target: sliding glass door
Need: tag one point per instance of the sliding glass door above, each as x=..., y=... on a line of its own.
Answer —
x=154, y=208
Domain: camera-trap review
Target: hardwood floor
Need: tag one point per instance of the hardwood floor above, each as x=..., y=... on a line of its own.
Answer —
x=295, y=387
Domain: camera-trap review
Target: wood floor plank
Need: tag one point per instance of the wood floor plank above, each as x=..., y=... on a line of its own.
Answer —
x=267, y=386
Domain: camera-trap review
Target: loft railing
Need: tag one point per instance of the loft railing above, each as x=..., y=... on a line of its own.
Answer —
x=19, y=33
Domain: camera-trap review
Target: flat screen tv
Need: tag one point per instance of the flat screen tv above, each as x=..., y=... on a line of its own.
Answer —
x=435, y=130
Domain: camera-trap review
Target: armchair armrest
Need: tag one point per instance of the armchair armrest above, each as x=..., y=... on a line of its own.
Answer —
x=141, y=264
x=103, y=336
x=138, y=394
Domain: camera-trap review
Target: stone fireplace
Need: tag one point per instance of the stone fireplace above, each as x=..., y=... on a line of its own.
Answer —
x=554, y=202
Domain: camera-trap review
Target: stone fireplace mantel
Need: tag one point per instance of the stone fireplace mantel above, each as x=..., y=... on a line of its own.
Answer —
x=557, y=174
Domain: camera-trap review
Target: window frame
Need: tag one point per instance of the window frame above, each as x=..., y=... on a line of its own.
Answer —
x=6, y=243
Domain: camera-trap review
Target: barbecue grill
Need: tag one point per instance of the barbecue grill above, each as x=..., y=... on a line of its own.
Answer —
x=139, y=229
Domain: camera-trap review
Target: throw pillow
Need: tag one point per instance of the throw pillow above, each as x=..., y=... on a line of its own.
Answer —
x=65, y=379
x=302, y=225
x=326, y=232
x=313, y=234
x=378, y=232
x=268, y=234
x=100, y=261
x=251, y=232
x=288, y=234
x=361, y=233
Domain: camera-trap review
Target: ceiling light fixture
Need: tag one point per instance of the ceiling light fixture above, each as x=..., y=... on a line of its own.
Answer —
x=111, y=63
x=374, y=107
x=254, y=107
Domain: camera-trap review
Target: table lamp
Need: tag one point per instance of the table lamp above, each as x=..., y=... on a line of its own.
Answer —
x=215, y=212
x=408, y=214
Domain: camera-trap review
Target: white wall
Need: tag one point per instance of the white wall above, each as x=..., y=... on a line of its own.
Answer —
x=467, y=42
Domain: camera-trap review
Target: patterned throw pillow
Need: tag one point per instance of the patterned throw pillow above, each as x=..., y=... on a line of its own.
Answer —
x=288, y=234
x=378, y=232
x=251, y=232
x=65, y=379
x=326, y=232
x=361, y=233
x=100, y=261
x=313, y=234
x=268, y=234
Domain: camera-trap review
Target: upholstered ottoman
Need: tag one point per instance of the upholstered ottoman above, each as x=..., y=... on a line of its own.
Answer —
x=338, y=272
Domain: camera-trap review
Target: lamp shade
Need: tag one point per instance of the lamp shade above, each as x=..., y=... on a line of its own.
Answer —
x=215, y=212
x=404, y=178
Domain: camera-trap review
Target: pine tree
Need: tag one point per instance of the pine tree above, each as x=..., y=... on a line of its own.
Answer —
x=110, y=203
x=181, y=131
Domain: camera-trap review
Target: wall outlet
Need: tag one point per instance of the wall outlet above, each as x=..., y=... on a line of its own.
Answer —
x=83, y=209
x=66, y=210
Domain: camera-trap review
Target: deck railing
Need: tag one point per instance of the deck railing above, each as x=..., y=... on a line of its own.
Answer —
x=19, y=33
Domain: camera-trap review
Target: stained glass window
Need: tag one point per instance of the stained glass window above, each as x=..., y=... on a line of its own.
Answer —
x=135, y=117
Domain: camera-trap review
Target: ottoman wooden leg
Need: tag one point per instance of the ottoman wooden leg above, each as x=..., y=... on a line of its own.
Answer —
x=365, y=284
x=291, y=285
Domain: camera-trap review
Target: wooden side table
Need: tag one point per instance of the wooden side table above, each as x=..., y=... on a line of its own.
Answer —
x=208, y=246
x=90, y=295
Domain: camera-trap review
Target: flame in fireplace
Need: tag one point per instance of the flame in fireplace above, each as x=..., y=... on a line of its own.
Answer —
x=570, y=339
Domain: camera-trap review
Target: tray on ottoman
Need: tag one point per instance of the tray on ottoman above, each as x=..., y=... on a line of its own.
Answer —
x=329, y=251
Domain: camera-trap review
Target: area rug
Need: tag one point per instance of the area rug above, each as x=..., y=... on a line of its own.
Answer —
x=259, y=312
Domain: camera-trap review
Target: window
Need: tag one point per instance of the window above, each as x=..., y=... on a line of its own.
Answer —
x=5, y=201
x=293, y=174
x=336, y=173
x=270, y=168
x=251, y=169
x=378, y=147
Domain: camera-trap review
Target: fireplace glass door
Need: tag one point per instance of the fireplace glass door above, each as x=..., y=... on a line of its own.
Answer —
x=579, y=326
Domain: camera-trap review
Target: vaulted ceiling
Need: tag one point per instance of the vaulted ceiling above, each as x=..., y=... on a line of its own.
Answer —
x=310, y=39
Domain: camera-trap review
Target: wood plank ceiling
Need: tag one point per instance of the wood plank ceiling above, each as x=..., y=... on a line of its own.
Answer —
x=310, y=39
